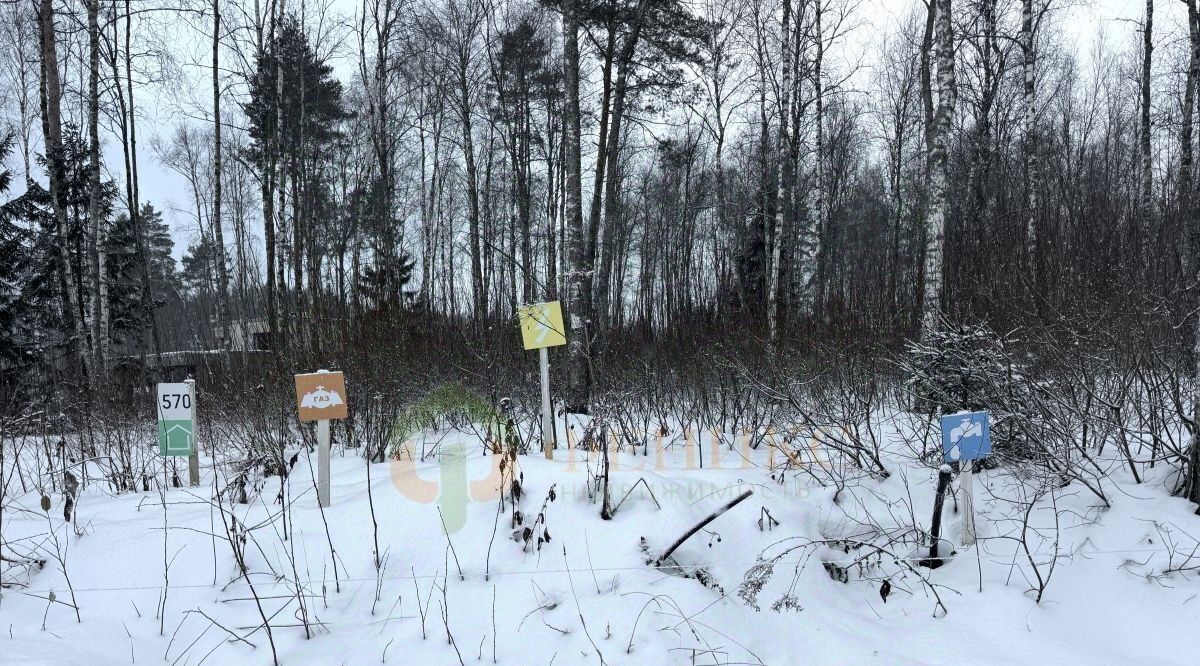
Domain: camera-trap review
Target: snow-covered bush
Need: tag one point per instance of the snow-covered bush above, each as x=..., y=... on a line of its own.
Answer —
x=968, y=367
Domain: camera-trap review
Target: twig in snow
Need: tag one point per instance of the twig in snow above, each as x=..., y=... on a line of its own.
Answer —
x=579, y=610
x=446, y=532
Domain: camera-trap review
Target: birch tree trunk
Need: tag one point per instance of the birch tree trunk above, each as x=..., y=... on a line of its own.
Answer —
x=1186, y=148
x=928, y=46
x=939, y=206
x=97, y=241
x=268, y=183
x=812, y=282
x=1031, y=141
x=217, y=223
x=762, y=226
x=784, y=180
x=51, y=102
x=579, y=375
x=279, y=176
x=553, y=194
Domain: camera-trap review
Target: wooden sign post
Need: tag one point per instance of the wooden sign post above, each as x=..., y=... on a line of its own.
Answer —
x=542, y=328
x=966, y=437
x=321, y=396
x=194, y=458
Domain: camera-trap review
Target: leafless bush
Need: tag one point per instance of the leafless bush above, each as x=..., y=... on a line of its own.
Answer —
x=1029, y=516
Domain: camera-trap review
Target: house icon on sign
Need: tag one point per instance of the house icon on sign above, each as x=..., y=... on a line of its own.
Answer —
x=177, y=439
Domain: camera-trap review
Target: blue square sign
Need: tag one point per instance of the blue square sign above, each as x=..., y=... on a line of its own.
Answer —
x=965, y=436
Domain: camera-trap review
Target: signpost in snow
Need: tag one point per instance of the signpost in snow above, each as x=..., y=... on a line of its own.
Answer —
x=542, y=328
x=966, y=437
x=321, y=396
x=177, y=426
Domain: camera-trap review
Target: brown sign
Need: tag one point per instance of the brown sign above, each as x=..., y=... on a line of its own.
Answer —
x=321, y=396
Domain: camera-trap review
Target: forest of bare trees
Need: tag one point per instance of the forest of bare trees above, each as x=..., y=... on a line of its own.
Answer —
x=379, y=186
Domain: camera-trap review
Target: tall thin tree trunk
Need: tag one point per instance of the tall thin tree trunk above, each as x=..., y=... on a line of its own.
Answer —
x=1187, y=206
x=51, y=102
x=812, y=284
x=1146, y=200
x=939, y=208
x=218, y=234
x=784, y=181
x=479, y=289
x=928, y=46
x=553, y=196
x=522, y=169
x=135, y=213
x=269, y=160
x=578, y=375
x=600, y=284
x=97, y=240
x=1029, y=121
x=761, y=227
x=279, y=170
x=601, y=170
x=123, y=126
x=1186, y=147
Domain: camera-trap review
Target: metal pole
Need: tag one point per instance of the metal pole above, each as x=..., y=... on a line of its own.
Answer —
x=323, y=462
x=547, y=416
x=194, y=458
x=968, y=514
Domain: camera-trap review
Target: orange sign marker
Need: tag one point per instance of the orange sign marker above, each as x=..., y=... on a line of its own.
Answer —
x=321, y=396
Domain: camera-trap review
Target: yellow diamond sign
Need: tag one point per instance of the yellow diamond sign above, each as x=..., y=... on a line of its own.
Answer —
x=542, y=325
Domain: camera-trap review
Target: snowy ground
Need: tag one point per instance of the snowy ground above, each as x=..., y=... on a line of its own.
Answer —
x=588, y=596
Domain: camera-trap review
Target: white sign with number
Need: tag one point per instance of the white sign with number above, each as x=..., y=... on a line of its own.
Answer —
x=176, y=429
x=174, y=402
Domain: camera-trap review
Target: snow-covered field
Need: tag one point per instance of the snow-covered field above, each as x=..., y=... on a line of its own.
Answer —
x=588, y=594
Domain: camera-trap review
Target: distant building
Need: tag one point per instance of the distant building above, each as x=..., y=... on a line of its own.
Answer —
x=247, y=335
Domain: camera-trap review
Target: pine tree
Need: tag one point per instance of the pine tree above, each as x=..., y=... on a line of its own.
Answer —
x=381, y=283
x=129, y=315
x=199, y=268
x=48, y=283
x=290, y=146
x=14, y=258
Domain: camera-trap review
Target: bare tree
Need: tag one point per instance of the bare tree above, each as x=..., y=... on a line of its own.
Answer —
x=1029, y=122
x=784, y=177
x=579, y=372
x=217, y=178
x=939, y=207
x=51, y=103
x=1147, y=166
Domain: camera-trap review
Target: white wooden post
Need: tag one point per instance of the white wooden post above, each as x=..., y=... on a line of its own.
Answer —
x=323, y=462
x=194, y=458
x=968, y=508
x=547, y=415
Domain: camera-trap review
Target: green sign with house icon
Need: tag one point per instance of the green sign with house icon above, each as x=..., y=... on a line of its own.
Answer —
x=175, y=438
x=176, y=427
